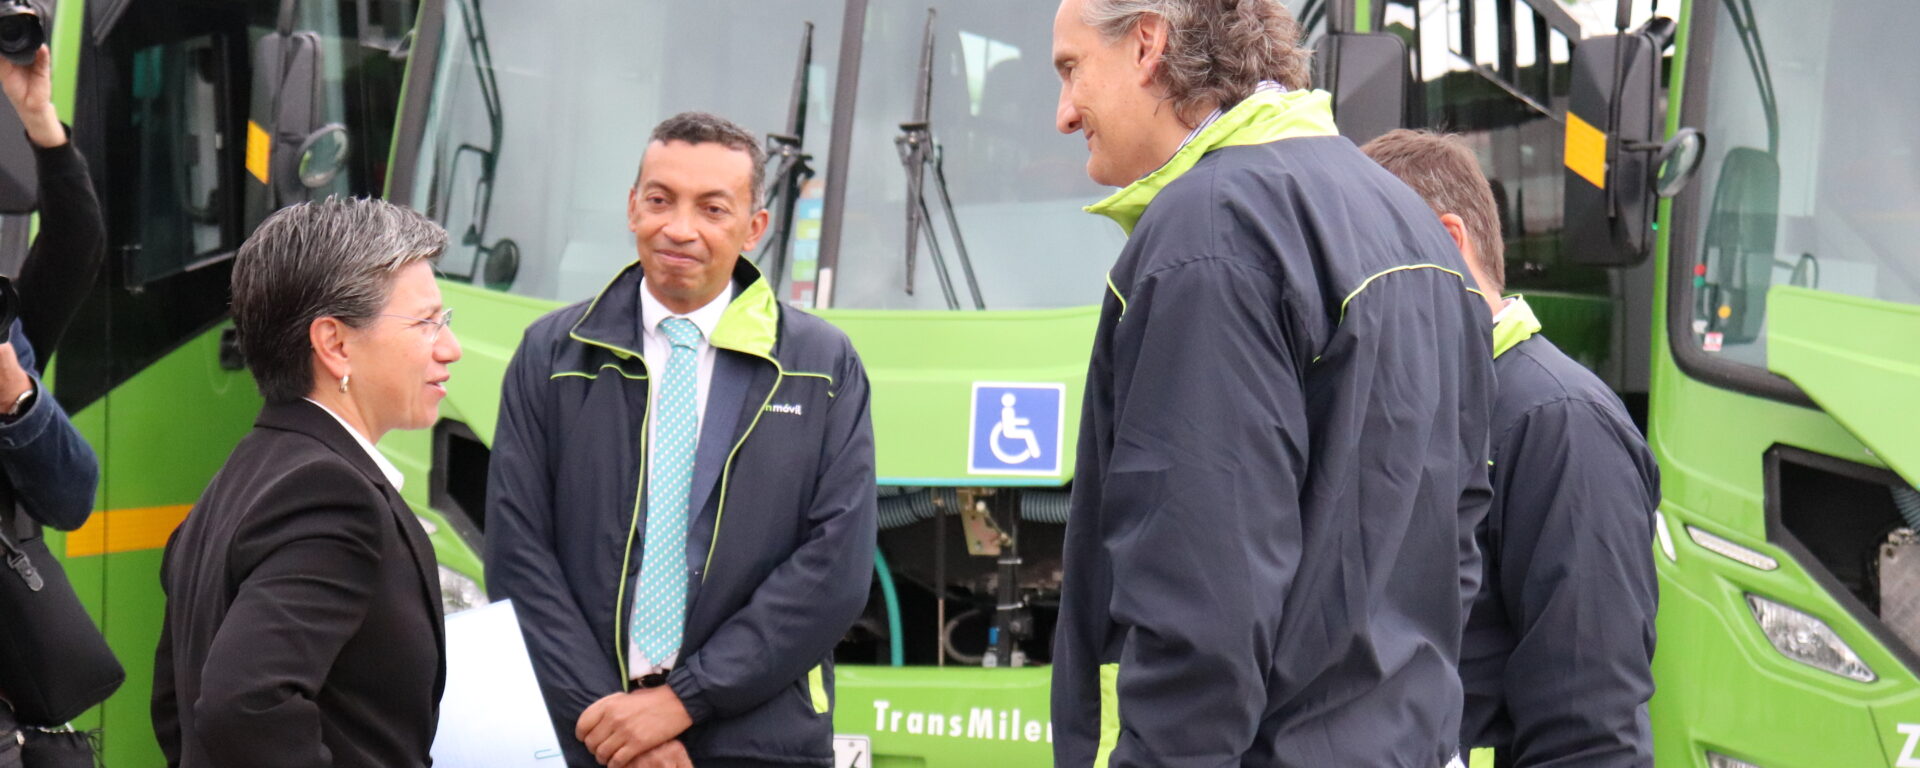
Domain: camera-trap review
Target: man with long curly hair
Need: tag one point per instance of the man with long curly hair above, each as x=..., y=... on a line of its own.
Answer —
x=1283, y=448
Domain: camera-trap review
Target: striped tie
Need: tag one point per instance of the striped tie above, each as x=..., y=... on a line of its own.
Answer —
x=660, y=610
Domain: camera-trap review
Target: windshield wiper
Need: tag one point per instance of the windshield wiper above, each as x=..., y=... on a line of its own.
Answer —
x=484, y=262
x=918, y=152
x=1744, y=25
x=793, y=171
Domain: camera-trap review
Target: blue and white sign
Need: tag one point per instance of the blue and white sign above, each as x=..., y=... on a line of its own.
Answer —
x=1016, y=429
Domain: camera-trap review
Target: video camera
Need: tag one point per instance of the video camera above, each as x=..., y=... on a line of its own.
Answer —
x=22, y=32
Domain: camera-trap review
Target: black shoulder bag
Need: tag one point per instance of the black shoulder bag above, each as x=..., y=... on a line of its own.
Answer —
x=54, y=663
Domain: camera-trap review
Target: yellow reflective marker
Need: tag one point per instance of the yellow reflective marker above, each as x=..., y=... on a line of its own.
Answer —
x=1586, y=151
x=126, y=530
x=1725, y=311
x=259, y=149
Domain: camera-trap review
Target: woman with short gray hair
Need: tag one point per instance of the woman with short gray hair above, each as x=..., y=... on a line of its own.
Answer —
x=303, y=617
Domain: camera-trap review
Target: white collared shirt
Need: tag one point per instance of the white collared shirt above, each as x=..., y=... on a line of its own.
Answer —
x=1506, y=305
x=657, y=349
x=379, y=459
x=1264, y=86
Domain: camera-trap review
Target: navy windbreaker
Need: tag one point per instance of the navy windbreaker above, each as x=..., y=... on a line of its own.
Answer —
x=780, y=548
x=1558, y=650
x=1282, y=460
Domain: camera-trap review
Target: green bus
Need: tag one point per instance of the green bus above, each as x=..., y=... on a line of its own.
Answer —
x=1761, y=320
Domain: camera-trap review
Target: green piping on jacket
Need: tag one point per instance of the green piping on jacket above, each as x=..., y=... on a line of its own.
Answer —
x=1109, y=714
x=817, y=686
x=1383, y=273
x=590, y=375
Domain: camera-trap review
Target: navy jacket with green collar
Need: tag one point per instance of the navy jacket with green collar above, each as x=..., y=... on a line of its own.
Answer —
x=1557, y=660
x=780, y=548
x=1282, y=460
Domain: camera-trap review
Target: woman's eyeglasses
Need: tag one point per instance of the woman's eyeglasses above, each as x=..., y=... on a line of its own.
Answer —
x=432, y=324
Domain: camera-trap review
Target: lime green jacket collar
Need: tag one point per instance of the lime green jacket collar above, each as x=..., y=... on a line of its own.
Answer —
x=750, y=323
x=1259, y=119
x=1517, y=324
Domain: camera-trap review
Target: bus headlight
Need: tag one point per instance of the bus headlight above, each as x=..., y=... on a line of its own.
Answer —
x=1805, y=639
x=458, y=593
x=1717, y=760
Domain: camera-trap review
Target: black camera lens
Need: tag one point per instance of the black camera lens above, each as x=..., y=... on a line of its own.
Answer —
x=21, y=33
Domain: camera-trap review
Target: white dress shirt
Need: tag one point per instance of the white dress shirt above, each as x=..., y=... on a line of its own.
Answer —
x=379, y=459
x=1505, y=305
x=657, y=349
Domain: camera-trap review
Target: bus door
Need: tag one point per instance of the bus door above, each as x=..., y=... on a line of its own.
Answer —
x=171, y=119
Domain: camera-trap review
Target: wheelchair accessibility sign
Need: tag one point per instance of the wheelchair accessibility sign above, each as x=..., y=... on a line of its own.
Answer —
x=1016, y=429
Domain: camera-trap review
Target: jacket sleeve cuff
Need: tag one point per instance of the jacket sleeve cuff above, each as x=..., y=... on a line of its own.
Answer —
x=21, y=431
x=63, y=156
x=693, y=695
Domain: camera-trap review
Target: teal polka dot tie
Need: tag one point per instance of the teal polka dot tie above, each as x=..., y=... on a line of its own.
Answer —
x=660, y=610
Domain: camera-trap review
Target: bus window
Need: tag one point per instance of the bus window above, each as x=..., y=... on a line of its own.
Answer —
x=1496, y=73
x=178, y=111
x=1810, y=179
x=534, y=134
x=1017, y=184
x=186, y=111
x=169, y=139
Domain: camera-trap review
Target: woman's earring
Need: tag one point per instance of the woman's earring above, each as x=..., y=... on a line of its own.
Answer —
x=343, y=383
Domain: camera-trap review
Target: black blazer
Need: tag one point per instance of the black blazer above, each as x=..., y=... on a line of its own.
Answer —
x=303, y=622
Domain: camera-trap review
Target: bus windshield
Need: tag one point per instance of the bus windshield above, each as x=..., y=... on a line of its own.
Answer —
x=535, y=132
x=1016, y=183
x=1812, y=176
x=539, y=118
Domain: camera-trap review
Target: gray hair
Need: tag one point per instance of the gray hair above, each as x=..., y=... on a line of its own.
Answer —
x=707, y=128
x=331, y=258
x=1217, y=52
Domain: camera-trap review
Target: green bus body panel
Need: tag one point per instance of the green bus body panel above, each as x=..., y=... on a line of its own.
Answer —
x=490, y=327
x=1002, y=714
x=1720, y=684
x=1859, y=359
x=160, y=438
x=923, y=365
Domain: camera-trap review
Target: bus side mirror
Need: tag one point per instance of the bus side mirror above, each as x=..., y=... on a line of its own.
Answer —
x=289, y=145
x=1616, y=170
x=1368, y=74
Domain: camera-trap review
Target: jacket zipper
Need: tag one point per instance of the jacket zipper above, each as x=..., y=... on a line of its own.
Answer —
x=726, y=470
x=633, y=523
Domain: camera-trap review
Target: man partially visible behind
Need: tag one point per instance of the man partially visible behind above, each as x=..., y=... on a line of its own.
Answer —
x=1557, y=654
x=1282, y=456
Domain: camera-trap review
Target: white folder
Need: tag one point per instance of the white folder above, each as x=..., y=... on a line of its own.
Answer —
x=492, y=714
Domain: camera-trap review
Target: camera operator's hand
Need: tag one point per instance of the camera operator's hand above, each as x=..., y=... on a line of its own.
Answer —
x=31, y=91
x=14, y=380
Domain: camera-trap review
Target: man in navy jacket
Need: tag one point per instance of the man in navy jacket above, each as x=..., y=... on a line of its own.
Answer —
x=1282, y=453
x=681, y=497
x=1557, y=658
